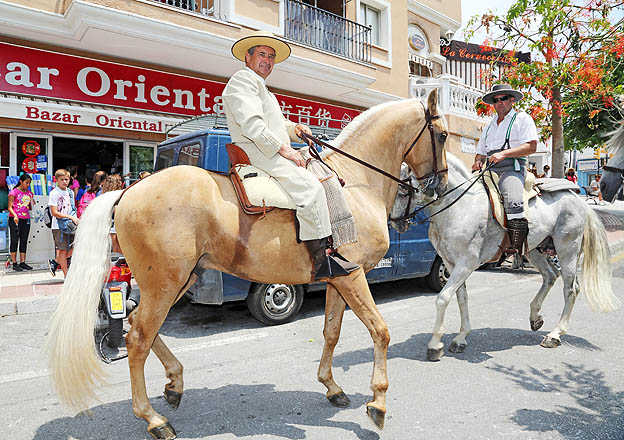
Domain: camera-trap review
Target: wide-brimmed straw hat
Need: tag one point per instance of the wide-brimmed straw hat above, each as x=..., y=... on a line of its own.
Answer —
x=261, y=38
x=501, y=89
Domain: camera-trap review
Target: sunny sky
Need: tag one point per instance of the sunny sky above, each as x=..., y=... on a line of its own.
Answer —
x=474, y=7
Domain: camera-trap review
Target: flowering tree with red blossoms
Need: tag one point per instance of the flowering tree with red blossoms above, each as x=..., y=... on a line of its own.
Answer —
x=575, y=46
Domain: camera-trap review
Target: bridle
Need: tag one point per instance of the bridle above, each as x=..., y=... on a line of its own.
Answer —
x=428, y=124
x=431, y=176
x=614, y=169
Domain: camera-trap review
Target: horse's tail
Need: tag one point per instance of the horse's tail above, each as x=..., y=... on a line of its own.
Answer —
x=70, y=344
x=596, y=283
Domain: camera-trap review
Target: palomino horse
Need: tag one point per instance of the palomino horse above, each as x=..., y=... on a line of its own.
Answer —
x=613, y=174
x=466, y=235
x=184, y=217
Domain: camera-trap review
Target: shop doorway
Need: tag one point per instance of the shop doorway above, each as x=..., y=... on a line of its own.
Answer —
x=87, y=155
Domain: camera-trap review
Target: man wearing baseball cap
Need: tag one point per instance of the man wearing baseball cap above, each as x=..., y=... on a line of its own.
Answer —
x=506, y=142
x=259, y=128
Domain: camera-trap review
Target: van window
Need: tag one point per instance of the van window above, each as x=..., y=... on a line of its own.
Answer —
x=165, y=159
x=189, y=155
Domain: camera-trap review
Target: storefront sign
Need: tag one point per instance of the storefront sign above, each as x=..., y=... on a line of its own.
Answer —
x=84, y=116
x=49, y=74
x=461, y=51
x=587, y=164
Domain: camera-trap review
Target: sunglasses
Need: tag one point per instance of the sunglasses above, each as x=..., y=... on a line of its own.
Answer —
x=502, y=98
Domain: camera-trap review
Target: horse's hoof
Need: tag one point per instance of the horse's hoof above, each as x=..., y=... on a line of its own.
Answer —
x=456, y=348
x=549, y=342
x=435, y=355
x=339, y=400
x=377, y=415
x=164, y=431
x=173, y=398
x=537, y=324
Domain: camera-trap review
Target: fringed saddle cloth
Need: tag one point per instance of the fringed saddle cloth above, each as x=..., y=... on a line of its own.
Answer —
x=259, y=193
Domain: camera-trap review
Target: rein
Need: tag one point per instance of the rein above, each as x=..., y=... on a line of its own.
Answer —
x=408, y=216
x=428, y=124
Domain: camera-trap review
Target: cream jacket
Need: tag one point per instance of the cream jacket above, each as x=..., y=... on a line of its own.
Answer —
x=254, y=115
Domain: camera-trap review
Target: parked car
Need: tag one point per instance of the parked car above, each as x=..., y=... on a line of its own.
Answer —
x=411, y=254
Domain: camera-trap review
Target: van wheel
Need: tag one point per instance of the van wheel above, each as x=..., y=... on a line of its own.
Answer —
x=438, y=276
x=273, y=304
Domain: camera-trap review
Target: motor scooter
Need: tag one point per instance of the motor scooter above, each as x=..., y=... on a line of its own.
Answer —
x=117, y=300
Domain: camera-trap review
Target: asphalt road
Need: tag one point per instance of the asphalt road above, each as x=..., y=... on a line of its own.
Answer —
x=243, y=380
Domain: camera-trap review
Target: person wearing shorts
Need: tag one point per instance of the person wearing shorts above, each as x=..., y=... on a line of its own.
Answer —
x=61, y=206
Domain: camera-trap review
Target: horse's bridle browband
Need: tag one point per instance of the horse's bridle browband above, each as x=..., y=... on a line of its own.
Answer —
x=428, y=124
x=614, y=169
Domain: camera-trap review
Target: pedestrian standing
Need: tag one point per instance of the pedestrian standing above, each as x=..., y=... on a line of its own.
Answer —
x=61, y=206
x=20, y=205
x=571, y=175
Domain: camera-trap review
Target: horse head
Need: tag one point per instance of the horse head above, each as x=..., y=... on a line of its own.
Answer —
x=426, y=156
x=613, y=174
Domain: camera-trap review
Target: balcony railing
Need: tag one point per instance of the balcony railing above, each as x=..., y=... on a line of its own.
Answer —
x=323, y=30
x=453, y=96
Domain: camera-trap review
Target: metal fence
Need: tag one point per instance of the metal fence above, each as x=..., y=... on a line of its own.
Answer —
x=326, y=31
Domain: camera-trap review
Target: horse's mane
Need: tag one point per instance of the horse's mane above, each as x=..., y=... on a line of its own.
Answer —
x=615, y=144
x=360, y=120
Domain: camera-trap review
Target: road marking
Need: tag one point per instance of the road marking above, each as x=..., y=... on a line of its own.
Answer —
x=617, y=258
x=219, y=342
x=24, y=375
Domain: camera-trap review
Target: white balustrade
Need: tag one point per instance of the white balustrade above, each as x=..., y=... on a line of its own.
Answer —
x=454, y=97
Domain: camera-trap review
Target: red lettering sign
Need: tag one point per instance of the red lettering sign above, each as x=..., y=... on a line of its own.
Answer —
x=50, y=74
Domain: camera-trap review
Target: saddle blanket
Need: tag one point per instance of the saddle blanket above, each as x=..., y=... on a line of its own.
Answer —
x=263, y=190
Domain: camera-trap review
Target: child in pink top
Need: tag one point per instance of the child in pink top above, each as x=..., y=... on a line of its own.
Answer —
x=20, y=204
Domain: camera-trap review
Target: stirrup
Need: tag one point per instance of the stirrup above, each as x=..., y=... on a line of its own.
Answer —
x=335, y=265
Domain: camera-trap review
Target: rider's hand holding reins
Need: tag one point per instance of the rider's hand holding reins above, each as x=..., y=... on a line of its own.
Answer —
x=290, y=153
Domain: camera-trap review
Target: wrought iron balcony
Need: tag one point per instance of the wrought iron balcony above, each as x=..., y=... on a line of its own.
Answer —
x=328, y=32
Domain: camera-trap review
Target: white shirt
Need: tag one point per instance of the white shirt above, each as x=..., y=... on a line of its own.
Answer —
x=60, y=199
x=523, y=130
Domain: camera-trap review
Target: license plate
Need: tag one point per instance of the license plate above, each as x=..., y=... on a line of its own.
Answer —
x=116, y=301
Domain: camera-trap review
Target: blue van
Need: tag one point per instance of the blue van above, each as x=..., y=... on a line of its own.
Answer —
x=411, y=254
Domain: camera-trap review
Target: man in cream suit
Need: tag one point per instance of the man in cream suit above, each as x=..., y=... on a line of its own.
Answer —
x=257, y=126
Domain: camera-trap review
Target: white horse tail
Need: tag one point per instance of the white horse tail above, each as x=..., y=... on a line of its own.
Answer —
x=70, y=345
x=596, y=283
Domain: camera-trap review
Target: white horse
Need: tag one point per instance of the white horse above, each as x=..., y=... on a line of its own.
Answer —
x=466, y=235
x=613, y=173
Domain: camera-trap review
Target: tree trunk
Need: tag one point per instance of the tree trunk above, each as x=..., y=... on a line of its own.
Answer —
x=558, y=156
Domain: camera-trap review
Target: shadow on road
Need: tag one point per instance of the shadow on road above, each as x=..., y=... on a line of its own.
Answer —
x=600, y=410
x=242, y=410
x=481, y=342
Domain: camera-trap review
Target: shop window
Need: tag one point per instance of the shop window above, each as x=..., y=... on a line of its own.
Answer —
x=189, y=155
x=140, y=158
x=371, y=17
x=419, y=69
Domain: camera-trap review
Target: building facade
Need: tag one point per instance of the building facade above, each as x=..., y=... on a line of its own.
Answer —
x=99, y=83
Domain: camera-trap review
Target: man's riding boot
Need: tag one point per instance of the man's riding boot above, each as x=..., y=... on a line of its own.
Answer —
x=327, y=266
x=518, y=230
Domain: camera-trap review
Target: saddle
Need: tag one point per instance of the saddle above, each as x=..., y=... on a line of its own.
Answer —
x=533, y=187
x=496, y=201
x=257, y=192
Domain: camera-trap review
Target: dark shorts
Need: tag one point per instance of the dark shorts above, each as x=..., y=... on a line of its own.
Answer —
x=62, y=241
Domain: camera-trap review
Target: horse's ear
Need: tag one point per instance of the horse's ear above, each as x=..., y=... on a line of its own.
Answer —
x=432, y=102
